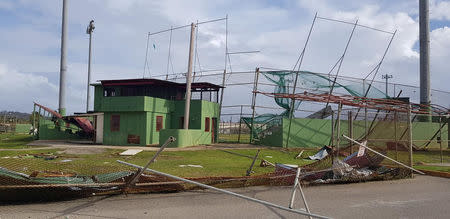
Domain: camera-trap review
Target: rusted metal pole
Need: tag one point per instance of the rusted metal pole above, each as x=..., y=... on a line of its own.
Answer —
x=410, y=138
x=350, y=130
x=332, y=129
x=255, y=88
x=34, y=118
x=240, y=124
x=395, y=134
x=440, y=138
x=338, y=128
x=249, y=171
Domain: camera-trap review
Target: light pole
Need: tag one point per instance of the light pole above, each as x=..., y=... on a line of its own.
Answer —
x=387, y=77
x=89, y=31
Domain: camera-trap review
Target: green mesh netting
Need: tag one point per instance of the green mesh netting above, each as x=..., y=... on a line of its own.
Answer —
x=309, y=81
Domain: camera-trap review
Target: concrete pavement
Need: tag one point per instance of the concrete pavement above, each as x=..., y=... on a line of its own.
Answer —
x=421, y=197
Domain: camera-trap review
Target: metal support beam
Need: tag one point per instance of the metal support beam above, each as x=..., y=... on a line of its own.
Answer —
x=338, y=128
x=225, y=65
x=299, y=61
x=240, y=126
x=410, y=137
x=255, y=88
x=226, y=191
x=296, y=186
x=350, y=130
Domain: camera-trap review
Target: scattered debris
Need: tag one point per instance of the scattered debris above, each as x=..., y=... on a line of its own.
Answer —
x=190, y=165
x=268, y=156
x=130, y=152
x=65, y=161
x=265, y=163
x=323, y=152
x=299, y=155
x=49, y=156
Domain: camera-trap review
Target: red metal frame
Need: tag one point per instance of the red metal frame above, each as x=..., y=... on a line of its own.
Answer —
x=371, y=103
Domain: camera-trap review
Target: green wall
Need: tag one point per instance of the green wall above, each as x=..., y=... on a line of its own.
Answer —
x=131, y=123
x=316, y=132
x=48, y=131
x=185, y=138
x=138, y=117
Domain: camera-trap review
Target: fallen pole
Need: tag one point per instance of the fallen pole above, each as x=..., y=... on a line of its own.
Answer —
x=225, y=191
x=376, y=152
x=141, y=171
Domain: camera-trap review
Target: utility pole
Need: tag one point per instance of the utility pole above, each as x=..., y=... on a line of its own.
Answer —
x=63, y=64
x=89, y=31
x=189, y=79
x=387, y=77
x=424, y=40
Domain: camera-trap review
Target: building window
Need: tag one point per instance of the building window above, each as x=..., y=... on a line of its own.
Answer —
x=207, y=124
x=182, y=122
x=159, y=123
x=115, y=123
x=109, y=92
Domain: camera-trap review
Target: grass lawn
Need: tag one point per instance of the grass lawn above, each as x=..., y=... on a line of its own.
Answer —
x=15, y=141
x=214, y=162
x=245, y=138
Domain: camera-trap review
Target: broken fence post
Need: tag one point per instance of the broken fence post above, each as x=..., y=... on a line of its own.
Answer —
x=141, y=170
x=294, y=188
x=249, y=171
x=376, y=152
x=226, y=191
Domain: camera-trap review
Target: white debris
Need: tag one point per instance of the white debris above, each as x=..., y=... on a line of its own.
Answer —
x=268, y=156
x=191, y=165
x=130, y=152
x=65, y=161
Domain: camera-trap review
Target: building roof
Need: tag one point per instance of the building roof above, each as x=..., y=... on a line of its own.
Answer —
x=152, y=81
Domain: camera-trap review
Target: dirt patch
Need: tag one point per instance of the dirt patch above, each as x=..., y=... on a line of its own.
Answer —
x=84, y=150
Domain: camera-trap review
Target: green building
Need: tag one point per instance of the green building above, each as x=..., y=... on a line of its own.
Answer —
x=148, y=111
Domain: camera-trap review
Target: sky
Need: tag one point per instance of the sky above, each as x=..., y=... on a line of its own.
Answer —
x=31, y=31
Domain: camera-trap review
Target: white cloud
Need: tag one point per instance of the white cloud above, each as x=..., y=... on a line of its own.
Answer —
x=19, y=90
x=440, y=10
x=277, y=29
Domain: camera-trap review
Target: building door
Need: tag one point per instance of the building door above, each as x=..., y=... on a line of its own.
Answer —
x=213, y=130
x=99, y=128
